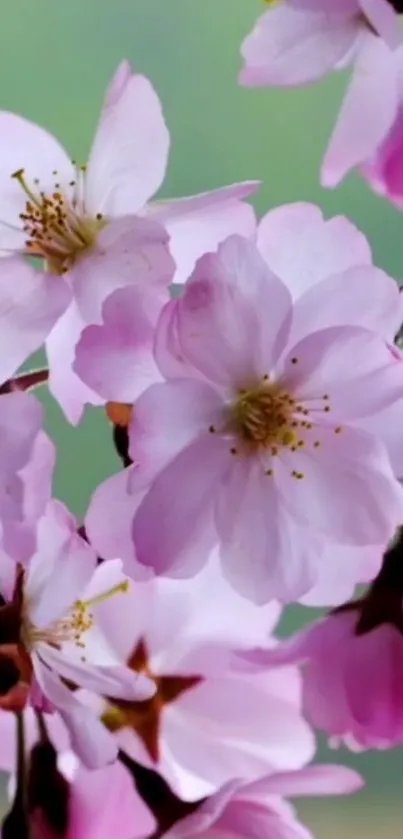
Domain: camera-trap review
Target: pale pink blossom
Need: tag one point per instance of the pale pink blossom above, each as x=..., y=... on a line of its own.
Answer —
x=183, y=633
x=94, y=228
x=298, y=42
x=255, y=431
x=317, y=259
x=52, y=610
x=259, y=809
x=352, y=679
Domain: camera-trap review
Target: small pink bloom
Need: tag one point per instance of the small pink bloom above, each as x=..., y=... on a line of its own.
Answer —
x=57, y=637
x=256, y=430
x=298, y=42
x=193, y=732
x=259, y=809
x=353, y=685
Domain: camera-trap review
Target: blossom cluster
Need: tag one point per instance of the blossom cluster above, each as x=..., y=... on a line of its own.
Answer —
x=257, y=416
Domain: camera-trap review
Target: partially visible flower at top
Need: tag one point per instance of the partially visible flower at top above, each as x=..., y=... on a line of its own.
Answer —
x=297, y=42
x=239, y=442
x=91, y=225
x=241, y=810
x=50, y=641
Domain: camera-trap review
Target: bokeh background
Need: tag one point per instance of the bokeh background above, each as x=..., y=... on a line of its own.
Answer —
x=55, y=61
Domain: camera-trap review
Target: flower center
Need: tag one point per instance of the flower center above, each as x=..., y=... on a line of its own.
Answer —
x=144, y=717
x=58, y=229
x=263, y=417
x=71, y=628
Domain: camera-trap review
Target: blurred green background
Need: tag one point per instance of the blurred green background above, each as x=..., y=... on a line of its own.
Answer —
x=55, y=61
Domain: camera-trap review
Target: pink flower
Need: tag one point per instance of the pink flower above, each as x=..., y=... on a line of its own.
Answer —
x=50, y=632
x=94, y=229
x=192, y=732
x=89, y=804
x=353, y=685
x=258, y=809
x=300, y=41
x=240, y=441
x=317, y=259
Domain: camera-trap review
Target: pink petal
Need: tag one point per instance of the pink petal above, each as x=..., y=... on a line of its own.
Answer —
x=19, y=536
x=30, y=305
x=172, y=528
x=89, y=738
x=108, y=522
x=21, y=418
x=234, y=316
x=61, y=567
x=104, y=803
x=206, y=815
x=324, y=366
x=262, y=553
x=198, y=224
x=26, y=146
x=302, y=247
x=313, y=780
x=167, y=348
x=129, y=156
x=208, y=711
x=116, y=359
x=169, y=416
x=342, y=568
x=372, y=301
x=368, y=111
x=112, y=681
x=291, y=46
x=384, y=170
x=383, y=18
x=129, y=251
x=377, y=711
x=66, y=387
x=348, y=492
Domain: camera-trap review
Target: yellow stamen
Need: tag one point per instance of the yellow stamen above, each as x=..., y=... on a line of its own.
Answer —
x=121, y=588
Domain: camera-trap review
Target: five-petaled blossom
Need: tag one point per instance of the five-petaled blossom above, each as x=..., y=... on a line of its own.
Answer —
x=92, y=227
x=297, y=42
x=51, y=642
x=256, y=429
x=165, y=632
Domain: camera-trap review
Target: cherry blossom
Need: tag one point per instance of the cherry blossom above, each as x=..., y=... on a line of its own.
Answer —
x=92, y=226
x=208, y=418
x=297, y=42
x=51, y=636
x=191, y=731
